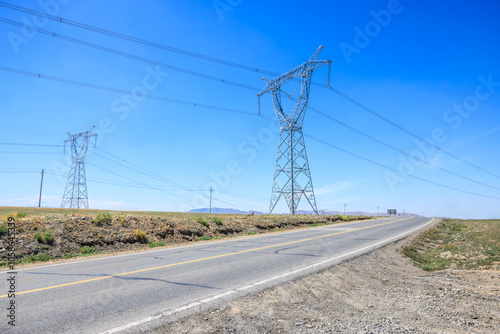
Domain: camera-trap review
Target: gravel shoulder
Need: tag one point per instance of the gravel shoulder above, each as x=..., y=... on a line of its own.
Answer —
x=381, y=292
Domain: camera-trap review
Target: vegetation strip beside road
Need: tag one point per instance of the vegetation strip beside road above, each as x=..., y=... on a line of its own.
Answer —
x=456, y=243
x=46, y=234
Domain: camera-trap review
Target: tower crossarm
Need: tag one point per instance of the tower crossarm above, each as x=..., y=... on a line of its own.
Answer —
x=300, y=71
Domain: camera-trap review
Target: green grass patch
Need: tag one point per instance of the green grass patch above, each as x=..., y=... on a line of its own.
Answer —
x=202, y=221
x=45, y=237
x=204, y=237
x=3, y=229
x=27, y=259
x=70, y=255
x=467, y=243
x=251, y=233
x=42, y=257
x=48, y=237
x=21, y=214
x=156, y=244
x=87, y=250
x=102, y=217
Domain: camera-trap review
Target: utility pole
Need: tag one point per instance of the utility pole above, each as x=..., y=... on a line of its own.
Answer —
x=378, y=211
x=292, y=177
x=41, y=186
x=404, y=213
x=345, y=204
x=422, y=213
x=211, y=189
x=75, y=194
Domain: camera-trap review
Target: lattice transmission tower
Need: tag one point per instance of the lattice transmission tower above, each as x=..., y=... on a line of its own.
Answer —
x=292, y=177
x=75, y=194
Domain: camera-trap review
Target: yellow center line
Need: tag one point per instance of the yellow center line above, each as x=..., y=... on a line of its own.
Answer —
x=203, y=259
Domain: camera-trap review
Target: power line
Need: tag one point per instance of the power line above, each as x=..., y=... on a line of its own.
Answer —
x=19, y=172
x=408, y=132
x=21, y=152
x=116, y=90
x=141, y=170
x=228, y=63
x=127, y=55
x=155, y=176
x=123, y=36
x=396, y=149
x=17, y=168
x=135, y=39
x=21, y=144
x=336, y=91
x=394, y=170
x=135, y=181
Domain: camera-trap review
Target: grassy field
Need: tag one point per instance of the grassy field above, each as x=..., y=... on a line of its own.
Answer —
x=22, y=212
x=467, y=244
x=6, y=211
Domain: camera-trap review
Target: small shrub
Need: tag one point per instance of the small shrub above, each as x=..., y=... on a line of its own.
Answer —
x=39, y=236
x=102, y=217
x=218, y=222
x=43, y=257
x=3, y=229
x=47, y=236
x=458, y=227
x=87, y=250
x=123, y=221
x=202, y=222
x=21, y=214
x=27, y=259
x=156, y=244
x=204, y=237
x=251, y=233
x=69, y=256
x=139, y=234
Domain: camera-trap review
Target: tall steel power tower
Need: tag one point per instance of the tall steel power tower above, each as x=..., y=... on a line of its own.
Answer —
x=292, y=177
x=75, y=195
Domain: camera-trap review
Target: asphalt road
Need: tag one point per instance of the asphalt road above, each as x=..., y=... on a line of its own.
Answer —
x=119, y=293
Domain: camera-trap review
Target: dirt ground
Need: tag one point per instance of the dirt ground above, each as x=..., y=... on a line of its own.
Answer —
x=381, y=292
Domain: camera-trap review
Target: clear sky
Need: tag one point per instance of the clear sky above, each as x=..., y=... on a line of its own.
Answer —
x=430, y=67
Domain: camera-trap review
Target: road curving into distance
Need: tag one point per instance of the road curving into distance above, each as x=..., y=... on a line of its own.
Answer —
x=125, y=293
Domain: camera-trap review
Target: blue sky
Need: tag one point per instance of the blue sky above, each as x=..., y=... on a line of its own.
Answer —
x=432, y=68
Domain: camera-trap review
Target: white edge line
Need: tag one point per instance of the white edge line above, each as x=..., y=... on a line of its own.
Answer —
x=246, y=287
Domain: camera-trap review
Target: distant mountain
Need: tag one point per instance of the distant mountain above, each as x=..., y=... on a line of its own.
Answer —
x=301, y=212
x=225, y=210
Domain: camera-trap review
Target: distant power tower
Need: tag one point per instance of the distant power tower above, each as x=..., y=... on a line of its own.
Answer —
x=75, y=195
x=292, y=177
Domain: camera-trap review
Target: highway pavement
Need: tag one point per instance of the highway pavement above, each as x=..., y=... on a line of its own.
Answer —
x=124, y=293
